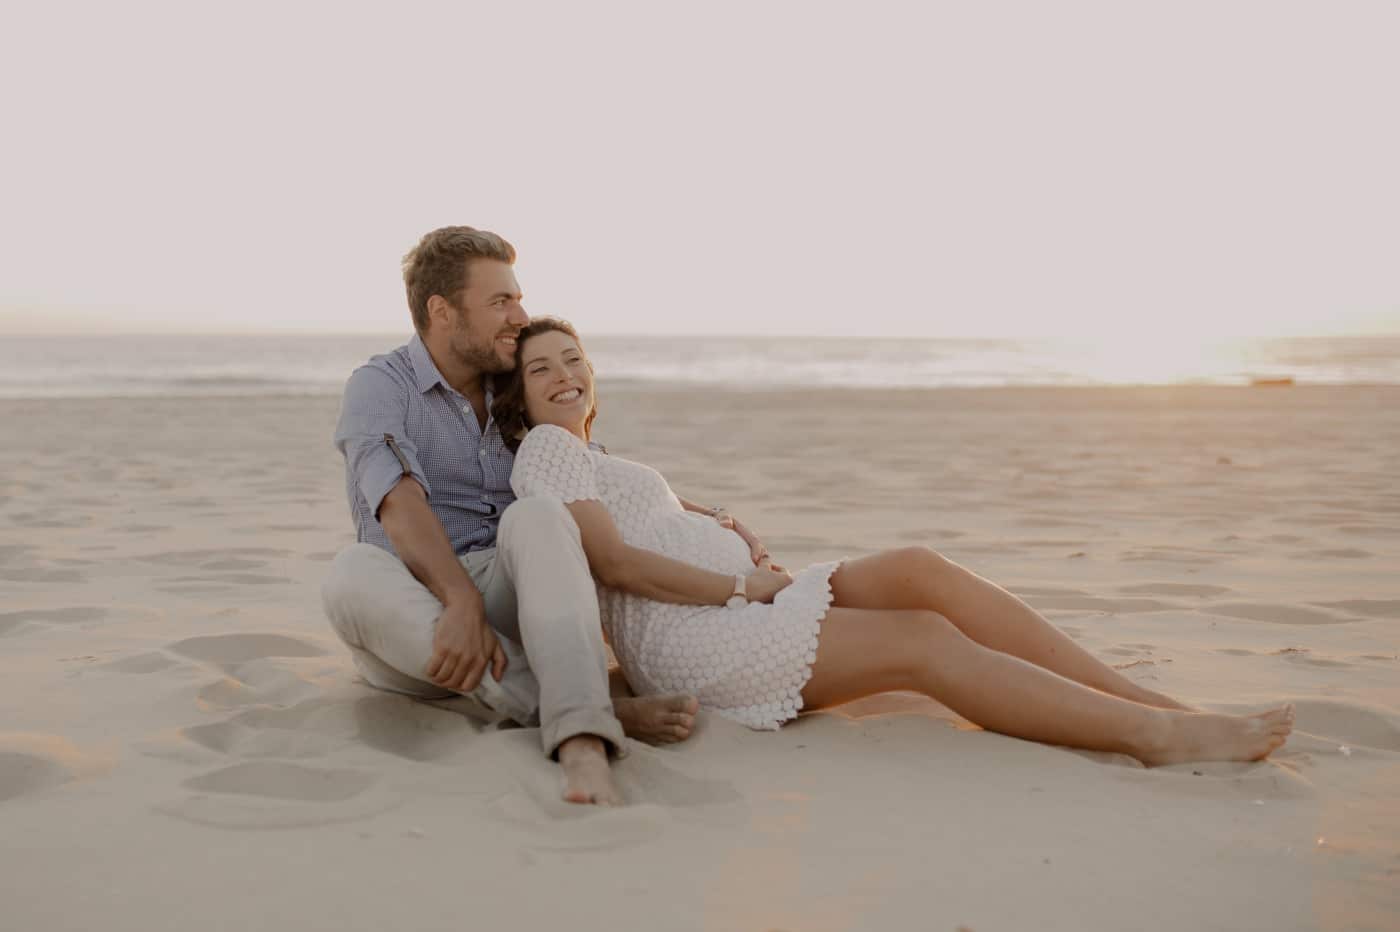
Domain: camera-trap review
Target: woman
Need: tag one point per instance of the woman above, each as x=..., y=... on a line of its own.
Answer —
x=686, y=609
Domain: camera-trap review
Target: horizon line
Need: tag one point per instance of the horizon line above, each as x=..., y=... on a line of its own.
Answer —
x=397, y=334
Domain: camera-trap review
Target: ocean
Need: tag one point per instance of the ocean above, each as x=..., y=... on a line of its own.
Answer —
x=93, y=366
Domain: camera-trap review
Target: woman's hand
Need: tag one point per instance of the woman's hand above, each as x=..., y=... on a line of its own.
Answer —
x=765, y=582
x=757, y=552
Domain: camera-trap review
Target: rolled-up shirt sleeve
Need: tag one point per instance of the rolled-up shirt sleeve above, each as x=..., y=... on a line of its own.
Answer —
x=371, y=435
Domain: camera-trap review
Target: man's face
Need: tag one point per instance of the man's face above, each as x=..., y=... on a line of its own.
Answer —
x=483, y=334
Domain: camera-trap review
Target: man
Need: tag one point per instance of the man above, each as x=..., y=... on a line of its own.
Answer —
x=451, y=576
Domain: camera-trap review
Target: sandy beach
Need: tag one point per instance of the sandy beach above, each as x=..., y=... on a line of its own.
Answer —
x=184, y=743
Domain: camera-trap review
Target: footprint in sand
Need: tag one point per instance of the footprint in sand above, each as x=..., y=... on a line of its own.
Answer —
x=1049, y=522
x=198, y=557
x=1047, y=591
x=1340, y=553
x=1276, y=613
x=76, y=614
x=233, y=563
x=280, y=780
x=22, y=774
x=1163, y=555
x=240, y=579
x=34, y=520
x=276, y=794
x=1054, y=543
x=36, y=574
x=148, y=662
x=240, y=740
x=254, y=669
x=1308, y=658
x=416, y=730
x=1370, y=530
x=1371, y=608
x=240, y=648
x=34, y=763
x=256, y=682
x=1175, y=589
x=393, y=724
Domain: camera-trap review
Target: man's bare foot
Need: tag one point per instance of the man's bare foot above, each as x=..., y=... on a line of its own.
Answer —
x=1207, y=736
x=587, y=778
x=656, y=719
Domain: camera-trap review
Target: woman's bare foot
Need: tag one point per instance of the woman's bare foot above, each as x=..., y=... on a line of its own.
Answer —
x=656, y=719
x=1204, y=736
x=587, y=778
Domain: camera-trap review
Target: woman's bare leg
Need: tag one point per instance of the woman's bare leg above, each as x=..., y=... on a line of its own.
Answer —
x=861, y=652
x=919, y=578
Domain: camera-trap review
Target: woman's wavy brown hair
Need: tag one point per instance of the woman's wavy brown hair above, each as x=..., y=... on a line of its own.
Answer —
x=508, y=407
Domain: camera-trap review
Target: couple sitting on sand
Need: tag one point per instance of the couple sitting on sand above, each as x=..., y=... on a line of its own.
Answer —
x=485, y=513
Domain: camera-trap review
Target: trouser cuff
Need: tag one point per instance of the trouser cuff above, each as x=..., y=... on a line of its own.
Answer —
x=599, y=722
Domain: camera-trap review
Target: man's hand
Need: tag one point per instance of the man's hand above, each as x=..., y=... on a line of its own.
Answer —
x=463, y=646
x=757, y=552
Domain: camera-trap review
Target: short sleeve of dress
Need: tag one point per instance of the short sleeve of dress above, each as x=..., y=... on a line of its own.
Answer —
x=553, y=463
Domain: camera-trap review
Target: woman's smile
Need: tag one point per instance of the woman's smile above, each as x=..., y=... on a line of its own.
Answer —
x=567, y=396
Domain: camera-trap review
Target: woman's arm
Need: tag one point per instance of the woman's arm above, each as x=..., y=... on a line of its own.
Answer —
x=619, y=565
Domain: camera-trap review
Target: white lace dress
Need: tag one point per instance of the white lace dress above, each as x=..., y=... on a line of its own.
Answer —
x=748, y=664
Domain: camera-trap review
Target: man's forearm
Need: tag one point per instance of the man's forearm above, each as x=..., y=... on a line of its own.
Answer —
x=422, y=544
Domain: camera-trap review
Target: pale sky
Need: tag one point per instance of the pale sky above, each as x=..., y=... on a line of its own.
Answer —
x=911, y=169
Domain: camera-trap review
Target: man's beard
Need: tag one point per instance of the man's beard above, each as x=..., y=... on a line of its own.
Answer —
x=481, y=358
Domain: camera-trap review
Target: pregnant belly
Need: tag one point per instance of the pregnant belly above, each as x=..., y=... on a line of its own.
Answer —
x=701, y=542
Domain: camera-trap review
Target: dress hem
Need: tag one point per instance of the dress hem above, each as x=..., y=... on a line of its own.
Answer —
x=773, y=722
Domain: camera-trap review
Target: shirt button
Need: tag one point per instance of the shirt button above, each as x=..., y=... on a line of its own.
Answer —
x=482, y=454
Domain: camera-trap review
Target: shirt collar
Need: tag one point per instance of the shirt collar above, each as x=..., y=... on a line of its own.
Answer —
x=425, y=371
x=426, y=374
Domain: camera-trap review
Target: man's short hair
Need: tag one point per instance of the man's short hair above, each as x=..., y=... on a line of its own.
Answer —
x=439, y=263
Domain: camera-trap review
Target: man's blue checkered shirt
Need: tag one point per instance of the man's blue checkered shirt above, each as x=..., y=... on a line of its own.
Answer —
x=400, y=416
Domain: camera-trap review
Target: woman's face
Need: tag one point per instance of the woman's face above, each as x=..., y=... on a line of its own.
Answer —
x=558, y=381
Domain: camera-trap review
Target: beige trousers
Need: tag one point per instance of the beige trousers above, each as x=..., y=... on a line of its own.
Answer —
x=538, y=593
